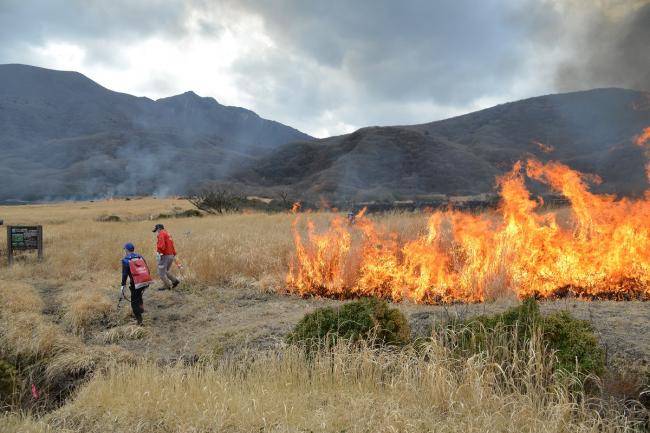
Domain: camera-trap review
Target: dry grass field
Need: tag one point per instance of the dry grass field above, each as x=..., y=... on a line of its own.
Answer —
x=230, y=314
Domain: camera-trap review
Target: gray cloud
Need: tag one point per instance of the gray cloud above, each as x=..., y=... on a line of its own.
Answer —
x=102, y=26
x=449, y=51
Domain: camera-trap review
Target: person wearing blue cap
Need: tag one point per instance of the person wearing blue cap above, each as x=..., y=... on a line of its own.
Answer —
x=136, y=294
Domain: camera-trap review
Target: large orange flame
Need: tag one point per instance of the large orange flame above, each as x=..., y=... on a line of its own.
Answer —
x=602, y=251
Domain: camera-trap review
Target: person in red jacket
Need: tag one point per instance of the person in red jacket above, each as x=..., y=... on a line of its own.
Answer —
x=167, y=254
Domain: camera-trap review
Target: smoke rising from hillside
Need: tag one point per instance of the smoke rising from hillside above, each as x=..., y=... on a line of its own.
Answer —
x=612, y=52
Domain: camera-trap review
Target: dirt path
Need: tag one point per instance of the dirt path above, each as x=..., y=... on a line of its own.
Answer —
x=51, y=298
x=184, y=325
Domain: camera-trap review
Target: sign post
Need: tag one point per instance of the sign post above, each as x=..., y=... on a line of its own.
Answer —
x=24, y=238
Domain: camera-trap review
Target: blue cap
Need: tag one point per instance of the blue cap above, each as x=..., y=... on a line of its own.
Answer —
x=129, y=246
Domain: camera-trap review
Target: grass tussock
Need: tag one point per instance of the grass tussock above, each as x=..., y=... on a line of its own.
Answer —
x=126, y=332
x=86, y=307
x=349, y=388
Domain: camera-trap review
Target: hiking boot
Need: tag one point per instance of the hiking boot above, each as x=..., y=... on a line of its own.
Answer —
x=175, y=283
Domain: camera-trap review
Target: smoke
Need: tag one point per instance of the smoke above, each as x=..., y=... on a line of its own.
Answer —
x=612, y=51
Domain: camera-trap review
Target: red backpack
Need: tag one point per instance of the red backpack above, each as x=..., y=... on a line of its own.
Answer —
x=140, y=271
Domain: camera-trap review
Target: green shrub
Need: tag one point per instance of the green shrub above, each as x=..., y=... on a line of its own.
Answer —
x=368, y=319
x=190, y=213
x=573, y=341
x=576, y=346
x=7, y=381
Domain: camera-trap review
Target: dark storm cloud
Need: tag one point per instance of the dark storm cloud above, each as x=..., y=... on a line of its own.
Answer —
x=614, y=51
x=448, y=51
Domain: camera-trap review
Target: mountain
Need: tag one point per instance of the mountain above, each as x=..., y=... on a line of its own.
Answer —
x=62, y=136
x=590, y=131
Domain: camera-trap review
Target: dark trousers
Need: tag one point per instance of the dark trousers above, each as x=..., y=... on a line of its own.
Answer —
x=137, y=303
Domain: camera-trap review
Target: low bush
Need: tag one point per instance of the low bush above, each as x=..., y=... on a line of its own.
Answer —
x=190, y=213
x=573, y=342
x=368, y=319
x=575, y=345
x=108, y=219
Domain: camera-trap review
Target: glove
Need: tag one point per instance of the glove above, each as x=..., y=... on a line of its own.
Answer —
x=119, y=299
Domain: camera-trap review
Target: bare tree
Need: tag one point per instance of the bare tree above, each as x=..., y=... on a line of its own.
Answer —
x=284, y=196
x=216, y=199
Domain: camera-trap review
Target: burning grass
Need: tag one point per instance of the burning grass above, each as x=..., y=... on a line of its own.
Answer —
x=603, y=254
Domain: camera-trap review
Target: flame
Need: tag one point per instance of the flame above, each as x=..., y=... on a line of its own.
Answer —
x=601, y=251
x=643, y=140
x=546, y=148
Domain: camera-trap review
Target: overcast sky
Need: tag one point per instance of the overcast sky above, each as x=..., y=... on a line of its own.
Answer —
x=331, y=66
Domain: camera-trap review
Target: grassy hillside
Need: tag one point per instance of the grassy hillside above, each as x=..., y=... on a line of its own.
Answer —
x=590, y=131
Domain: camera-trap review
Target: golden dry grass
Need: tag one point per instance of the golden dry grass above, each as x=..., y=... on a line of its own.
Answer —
x=349, y=389
x=85, y=307
x=24, y=332
x=21, y=423
x=16, y=297
x=28, y=337
x=129, y=332
x=212, y=249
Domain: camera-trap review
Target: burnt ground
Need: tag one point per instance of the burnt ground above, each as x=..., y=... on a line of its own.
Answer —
x=185, y=324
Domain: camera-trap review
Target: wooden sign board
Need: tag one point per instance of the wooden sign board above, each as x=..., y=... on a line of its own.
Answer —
x=24, y=238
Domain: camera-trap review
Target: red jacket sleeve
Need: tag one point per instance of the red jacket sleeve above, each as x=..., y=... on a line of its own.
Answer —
x=160, y=246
